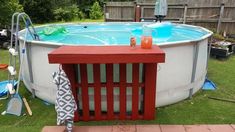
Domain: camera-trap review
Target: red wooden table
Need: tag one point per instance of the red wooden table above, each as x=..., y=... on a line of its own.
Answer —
x=70, y=56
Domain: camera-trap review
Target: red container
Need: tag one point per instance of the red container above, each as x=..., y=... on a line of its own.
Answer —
x=146, y=42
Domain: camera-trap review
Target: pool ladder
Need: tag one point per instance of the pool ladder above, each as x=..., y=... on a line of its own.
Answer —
x=14, y=49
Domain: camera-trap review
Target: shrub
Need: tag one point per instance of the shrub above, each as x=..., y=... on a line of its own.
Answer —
x=59, y=14
x=75, y=12
x=96, y=11
x=40, y=11
x=7, y=8
x=68, y=13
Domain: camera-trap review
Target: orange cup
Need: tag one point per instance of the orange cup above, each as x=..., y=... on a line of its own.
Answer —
x=146, y=42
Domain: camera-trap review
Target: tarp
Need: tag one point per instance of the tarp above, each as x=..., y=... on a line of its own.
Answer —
x=160, y=8
x=208, y=85
x=3, y=87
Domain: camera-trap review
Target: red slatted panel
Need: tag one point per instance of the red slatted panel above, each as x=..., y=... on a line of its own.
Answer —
x=109, y=88
x=85, y=97
x=115, y=84
x=97, y=91
x=122, y=96
x=115, y=117
x=70, y=55
x=135, y=91
x=70, y=72
x=150, y=90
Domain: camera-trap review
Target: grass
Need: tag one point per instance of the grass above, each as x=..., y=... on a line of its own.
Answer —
x=199, y=110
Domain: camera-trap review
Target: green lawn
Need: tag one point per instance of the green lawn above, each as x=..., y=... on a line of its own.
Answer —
x=198, y=110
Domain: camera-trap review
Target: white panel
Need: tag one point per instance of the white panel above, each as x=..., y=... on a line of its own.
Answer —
x=42, y=72
x=177, y=69
x=201, y=63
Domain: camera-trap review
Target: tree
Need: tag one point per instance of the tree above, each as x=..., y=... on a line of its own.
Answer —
x=40, y=11
x=85, y=5
x=68, y=13
x=7, y=8
x=63, y=3
x=96, y=11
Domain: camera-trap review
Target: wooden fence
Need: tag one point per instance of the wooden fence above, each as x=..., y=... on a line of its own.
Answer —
x=213, y=14
x=119, y=11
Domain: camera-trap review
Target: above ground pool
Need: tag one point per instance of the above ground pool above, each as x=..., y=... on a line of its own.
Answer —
x=182, y=74
x=118, y=33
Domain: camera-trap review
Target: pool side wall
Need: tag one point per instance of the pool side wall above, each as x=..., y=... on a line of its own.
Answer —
x=175, y=75
x=173, y=82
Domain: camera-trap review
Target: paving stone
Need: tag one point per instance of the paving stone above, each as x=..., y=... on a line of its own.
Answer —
x=145, y=128
x=172, y=128
x=233, y=126
x=53, y=129
x=221, y=128
x=78, y=129
x=148, y=128
x=93, y=129
x=197, y=128
x=124, y=128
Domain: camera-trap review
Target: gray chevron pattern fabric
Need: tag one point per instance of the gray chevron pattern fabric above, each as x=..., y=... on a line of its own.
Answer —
x=65, y=104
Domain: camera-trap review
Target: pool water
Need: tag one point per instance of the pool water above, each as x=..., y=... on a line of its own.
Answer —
x=120, y=33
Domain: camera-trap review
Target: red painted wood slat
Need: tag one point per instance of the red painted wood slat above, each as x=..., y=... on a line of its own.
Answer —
x=85, y=97
x=115, y=117
x=109, y=88
x=72, y=55
x=135, y=91
x=115, y=84
x=122, y=96
x=97, y=91
x=70, y=72
x=106, y=54
x=150, y=90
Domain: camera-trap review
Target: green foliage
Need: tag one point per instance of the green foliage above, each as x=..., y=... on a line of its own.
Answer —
x=63, y=3
x=7, y=8
x=68, y=13
x=40, y=11
x=218, y=36
x=96, y=12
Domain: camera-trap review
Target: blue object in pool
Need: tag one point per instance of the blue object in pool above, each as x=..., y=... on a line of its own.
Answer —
x=208, y=85
x=161, y=30
x=3, y=88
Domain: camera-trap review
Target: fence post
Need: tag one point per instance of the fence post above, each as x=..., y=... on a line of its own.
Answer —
x=185, y=13
x=220, y=17
x=121, y=13
x=104, y=11
x=137, y=13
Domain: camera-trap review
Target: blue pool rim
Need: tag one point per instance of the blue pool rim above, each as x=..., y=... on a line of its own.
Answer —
x=209, y=33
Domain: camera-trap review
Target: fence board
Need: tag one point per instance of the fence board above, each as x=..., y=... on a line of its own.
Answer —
x=120, y=11
x=203, y=13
